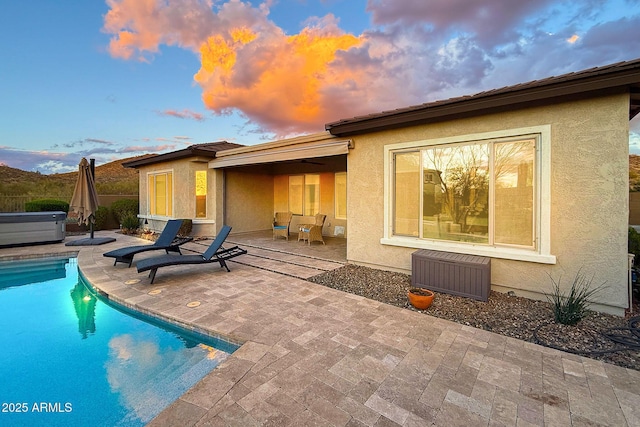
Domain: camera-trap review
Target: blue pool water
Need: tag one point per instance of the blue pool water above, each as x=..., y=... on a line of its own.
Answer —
x=69, y=358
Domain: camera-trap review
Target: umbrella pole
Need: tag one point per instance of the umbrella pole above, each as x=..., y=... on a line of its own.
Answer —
x=85, y=202
x=92, y=168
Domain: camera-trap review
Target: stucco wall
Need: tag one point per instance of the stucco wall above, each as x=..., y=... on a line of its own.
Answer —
x=248, y=200
x=589, y=196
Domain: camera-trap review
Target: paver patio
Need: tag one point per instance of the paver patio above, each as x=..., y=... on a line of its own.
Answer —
x=315, y=356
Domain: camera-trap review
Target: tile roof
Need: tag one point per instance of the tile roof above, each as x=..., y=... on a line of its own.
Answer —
x=605, y=79
x=207, y=150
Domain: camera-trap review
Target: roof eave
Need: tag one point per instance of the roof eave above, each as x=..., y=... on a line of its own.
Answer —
x=191, y=151
x=285, y=142
x=174, y=155
x=628, y=80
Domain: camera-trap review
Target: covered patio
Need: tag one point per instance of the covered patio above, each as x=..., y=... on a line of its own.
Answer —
x=304, y=175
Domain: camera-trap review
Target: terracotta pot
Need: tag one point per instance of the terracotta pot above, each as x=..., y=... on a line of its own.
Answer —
x=420, y=298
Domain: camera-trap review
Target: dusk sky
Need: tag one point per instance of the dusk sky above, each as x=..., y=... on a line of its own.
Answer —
x=120, y=78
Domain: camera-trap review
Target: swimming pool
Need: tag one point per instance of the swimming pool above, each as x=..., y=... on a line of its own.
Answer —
x=67, y=357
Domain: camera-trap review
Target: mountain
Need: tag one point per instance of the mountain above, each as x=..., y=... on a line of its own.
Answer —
x=111, y=178
x=9, y=174
x=108, y=172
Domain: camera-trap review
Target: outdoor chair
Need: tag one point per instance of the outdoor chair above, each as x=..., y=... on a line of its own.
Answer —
x=312, y=232
x=214, y=253
x=281, y=223
x=168, y=240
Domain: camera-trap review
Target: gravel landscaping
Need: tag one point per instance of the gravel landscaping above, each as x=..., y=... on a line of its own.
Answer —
x=503, y=314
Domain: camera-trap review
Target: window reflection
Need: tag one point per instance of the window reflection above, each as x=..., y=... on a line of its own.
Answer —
x=456, y=193
x=407, y=200
x=514, y=192
x=481, y=192
x=201, y=194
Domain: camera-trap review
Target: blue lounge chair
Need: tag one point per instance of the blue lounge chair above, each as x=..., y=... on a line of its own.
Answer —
x=167, y=241
x=214, y=253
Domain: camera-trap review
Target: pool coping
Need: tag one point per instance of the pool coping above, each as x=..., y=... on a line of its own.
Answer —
x=159, y=315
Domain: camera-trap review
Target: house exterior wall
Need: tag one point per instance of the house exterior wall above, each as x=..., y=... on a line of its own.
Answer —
x=184, y=195
x=589, y=196
x=248, y=199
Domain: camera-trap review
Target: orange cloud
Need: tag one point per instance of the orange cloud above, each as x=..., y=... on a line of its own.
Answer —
x=248, y=64
x=279, y=81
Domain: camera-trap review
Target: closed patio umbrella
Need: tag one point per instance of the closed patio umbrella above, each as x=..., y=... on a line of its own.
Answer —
x=85, y=203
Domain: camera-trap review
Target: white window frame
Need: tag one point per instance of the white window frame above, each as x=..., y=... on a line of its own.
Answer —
x=542, y=216
x=173, y=188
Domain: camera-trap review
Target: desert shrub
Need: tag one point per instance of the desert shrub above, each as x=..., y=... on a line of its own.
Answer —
x=102, y=217
x=130, y=223
x=123, y=208
x=634, y=243
x=186, y=227
x=46, y=205
x=570, y=308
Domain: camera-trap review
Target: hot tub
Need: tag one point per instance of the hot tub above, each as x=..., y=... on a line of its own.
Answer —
x=24, y=228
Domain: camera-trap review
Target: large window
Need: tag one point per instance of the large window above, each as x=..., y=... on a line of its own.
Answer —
x=160, y=189
x=479, y=192
x=201, y=194
x=341, y=195
x=486, y=194
x=304, y=194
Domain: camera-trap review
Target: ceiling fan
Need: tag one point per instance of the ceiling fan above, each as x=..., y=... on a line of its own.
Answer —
x=310, y=162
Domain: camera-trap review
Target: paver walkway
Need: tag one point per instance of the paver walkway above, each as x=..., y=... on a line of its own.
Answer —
x=290, y=264
x=314, y=356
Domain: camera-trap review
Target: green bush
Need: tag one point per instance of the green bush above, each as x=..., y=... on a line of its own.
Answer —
x=634, y=243
x=102, y=217
x=46, y=205
x=123, y=208
x=130, y=224
x=569, y=309
x=186, y=227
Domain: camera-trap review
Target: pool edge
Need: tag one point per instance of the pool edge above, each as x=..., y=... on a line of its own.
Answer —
x=116, y=301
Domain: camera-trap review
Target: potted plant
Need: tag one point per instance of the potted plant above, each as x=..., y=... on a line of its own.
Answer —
x=420, y=298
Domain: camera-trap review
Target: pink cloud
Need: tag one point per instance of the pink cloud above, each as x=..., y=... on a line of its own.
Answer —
x=184, y=114
x=147, y=148
x=141, y=26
